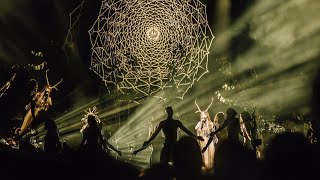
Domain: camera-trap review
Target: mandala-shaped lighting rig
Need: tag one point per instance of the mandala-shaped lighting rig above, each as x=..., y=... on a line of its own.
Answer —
x=150, y=46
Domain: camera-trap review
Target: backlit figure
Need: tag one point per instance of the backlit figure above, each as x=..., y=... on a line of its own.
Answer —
x=93, y=140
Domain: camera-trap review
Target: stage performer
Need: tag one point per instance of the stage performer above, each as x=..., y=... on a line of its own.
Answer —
x=217, y=122
x=169, y=128
x=204, y=127
x=233, y=128
x=246, y=127
x=52, y=144
x=40, y=102
x=93, y=139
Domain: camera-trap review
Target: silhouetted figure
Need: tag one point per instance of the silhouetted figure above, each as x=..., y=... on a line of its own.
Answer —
x=68, y=153
x=218, y=121
x=246, y=126
x=312, y=138
x=234, y=161
x=169, y=128
x=52, y=143
x=93, y=142
x=158, y=171
x=233, y=127
x=187, y=159
x=290, y=156
x=316, y=109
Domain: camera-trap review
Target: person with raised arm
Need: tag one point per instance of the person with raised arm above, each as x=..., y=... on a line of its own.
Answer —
x=169, y=127
x=233, y=128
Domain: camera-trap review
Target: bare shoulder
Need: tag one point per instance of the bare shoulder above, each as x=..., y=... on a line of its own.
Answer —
x=177, y=122
x=162, y=122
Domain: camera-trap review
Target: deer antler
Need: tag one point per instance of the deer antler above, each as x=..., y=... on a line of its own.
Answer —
x=47, y=78
x=210, y=104
x=199, y=110
x=57, y=85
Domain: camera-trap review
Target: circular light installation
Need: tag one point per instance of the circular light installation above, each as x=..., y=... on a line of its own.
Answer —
x=153, y=33
x=150, y=46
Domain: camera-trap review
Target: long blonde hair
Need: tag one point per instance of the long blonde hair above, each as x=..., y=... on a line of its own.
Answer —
x=219, y=118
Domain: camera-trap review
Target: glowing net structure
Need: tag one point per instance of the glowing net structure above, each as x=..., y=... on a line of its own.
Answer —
x=149, y=46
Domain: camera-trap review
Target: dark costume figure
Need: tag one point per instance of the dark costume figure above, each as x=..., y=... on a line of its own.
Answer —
x=249, y=132
x=13, y=96
x=217, y=122
x=93, y=141
x=52, y=143
x=92, y=138
x=169, y=128
x=315, y=110
x=311, y=136
x=233, y=128
x=246, y=126
x=187, y=159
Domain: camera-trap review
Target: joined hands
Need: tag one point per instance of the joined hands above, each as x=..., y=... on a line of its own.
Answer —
x=200, y=138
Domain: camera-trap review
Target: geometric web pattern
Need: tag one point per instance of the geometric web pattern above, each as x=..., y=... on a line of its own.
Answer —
x=149, y=46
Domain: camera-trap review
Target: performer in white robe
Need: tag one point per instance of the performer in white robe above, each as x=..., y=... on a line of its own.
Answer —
x=204, y=127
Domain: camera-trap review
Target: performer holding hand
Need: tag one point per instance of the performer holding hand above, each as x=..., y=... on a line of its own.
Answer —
x=169, y=128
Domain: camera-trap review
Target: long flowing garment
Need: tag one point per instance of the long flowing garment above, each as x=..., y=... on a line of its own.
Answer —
x=41, y=104
x=203, y=130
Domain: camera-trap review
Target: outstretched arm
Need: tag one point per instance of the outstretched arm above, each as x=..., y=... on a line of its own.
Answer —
x=207, y=145
x=225, y=123
x=105, y=142
x=82, y=142
x=189, y=132
x=113, y=148
x=140, y=149
x=154, y=135
x=146, y=143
